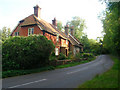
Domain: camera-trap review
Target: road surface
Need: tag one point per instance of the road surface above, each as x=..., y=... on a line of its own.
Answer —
x=61, y=78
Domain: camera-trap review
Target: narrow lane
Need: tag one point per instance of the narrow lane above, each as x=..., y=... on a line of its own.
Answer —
x=61, y=78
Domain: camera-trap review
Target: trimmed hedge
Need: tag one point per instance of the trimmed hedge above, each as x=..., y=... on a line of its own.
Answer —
x=26, y=52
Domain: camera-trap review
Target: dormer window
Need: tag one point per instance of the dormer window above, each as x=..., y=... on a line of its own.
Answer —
x=16, y=33
x=30, y=31
x=57, y=38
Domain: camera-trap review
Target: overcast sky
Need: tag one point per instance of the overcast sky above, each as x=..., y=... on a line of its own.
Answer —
x=12, y=11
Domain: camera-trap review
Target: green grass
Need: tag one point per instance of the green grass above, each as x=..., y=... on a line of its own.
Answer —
x=75, y=63
x=108, y=79
x=12, y=73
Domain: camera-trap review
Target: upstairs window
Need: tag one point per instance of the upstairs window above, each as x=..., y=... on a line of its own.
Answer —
x=30, y=31
x=16, y=33
x=57, y=39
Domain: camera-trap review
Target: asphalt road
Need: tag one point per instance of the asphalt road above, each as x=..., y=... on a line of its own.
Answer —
x=61, y=78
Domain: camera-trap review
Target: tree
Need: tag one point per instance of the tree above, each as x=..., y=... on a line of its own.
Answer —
x=59, y=25
x=5, y=33
x=111, y=25
x=79, y=26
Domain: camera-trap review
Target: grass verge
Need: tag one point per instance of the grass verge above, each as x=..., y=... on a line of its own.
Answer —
x=75, y=63
x=108, y=79
x=11, y=73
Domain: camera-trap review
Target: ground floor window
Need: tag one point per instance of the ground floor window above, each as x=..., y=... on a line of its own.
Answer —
x=56, y=51
x=30, y=31
x=16, y=33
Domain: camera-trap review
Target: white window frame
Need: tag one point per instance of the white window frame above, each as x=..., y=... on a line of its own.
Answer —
x=16, y=33
x=57, y=37
x=30, y=31
x=67, y=42
x=56, y=51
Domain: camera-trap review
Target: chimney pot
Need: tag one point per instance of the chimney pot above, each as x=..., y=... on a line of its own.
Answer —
x=37, y=10
x=71, y=30
x=66, y=29
x=54, y=22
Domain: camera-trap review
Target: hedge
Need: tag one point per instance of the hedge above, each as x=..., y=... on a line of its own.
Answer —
x=26, y=52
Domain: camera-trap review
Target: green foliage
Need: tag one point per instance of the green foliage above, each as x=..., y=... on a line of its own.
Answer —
x=78, y=56
x=59, y=25
x=93, y=46
x=70, y=55
x=61, y=56
x=11, y=73
x=52, y=57
x=83, y=55
x=75, y=63
x=87, y=55
x=5, y=33
x=111, y=25
x=26, y=52
x=79, y=26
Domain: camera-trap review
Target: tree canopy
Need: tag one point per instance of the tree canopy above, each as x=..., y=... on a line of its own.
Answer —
x=111, y=25
x=79, y=26
x=5, y=33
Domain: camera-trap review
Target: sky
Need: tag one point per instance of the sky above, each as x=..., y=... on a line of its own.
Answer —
x=12, y=11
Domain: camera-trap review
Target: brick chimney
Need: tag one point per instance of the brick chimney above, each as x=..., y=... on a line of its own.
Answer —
x=54, y=22
x=71, y=30
x=66, y=29
x=37, y=10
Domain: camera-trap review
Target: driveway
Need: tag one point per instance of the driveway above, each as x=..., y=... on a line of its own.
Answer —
x=61, y=78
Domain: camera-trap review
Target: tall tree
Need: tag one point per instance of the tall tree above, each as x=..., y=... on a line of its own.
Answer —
x=79, y=26
x=111, y=25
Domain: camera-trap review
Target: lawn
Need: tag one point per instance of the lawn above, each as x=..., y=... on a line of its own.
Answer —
x=108, y=79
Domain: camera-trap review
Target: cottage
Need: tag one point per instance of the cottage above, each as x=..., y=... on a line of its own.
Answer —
x=33, y=24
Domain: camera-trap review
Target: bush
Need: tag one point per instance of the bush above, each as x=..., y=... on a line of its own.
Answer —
x=78, y=56
x=26, y=52
x=83, y=55
x=88, y=55
x=61, y=56
x=52, y=57
x=70, y=55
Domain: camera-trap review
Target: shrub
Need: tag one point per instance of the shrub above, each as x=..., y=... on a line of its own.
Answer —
x=26, y=52
x=78, y=56
x=88, y=55
x=52, y=57
x=70, y=55
x=61, y=56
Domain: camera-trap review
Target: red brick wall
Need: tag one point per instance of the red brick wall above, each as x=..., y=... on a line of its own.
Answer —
x=23, y=31
x=50, y=37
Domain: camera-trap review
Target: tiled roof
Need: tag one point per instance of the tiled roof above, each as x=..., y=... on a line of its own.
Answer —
x=74, y=42
x=33, y=20
x=30, y=20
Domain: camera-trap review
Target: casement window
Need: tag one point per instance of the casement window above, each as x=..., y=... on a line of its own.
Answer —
x=57, y=38
x=30, y=31
x=16, y=33
x=56, y=51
